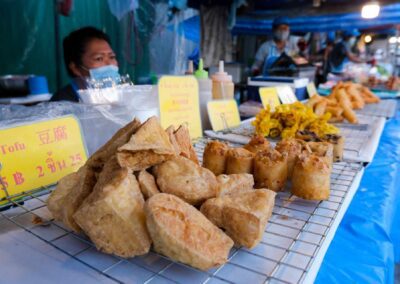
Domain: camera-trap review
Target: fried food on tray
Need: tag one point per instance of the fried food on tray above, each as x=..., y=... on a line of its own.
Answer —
x=239, y=161
x=121, y=137
x=311, y=177
x=230, y=184
x=343, y=100
x=147, y=184
x=214, y=157
x=182, y=137
x=69, y=194
x=185, y=179
x=170, y=132
x=149, y=146
x=287, y=119
x=338, y=146
x=243, y=215
x=257, y=143
x=270, y=170
x=180, y=232
x=113, y=215
x=321, y=149
x=290, y=148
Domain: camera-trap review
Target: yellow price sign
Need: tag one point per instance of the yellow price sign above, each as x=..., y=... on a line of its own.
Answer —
x=269, y=96
x=223, y=114
x=39, y=154
x=311, y=89
x=179, y=103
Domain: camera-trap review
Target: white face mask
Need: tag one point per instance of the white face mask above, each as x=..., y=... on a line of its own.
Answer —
x=281, y=35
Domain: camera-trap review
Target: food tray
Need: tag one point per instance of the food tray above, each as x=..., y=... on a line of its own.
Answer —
x=385, y=108
x=291, y=251
x=361, y=140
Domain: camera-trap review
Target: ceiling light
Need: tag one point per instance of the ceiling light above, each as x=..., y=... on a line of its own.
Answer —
x=370, y=10
x=368, y=39
x=392, y=39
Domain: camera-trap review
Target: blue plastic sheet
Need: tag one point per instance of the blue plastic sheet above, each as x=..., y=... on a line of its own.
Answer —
x=389, y=15
x=367, y=242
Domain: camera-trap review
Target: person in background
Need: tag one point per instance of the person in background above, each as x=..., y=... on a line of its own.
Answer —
x=342, y=52
x=303, y=48
x=270, y=50
x=87, y=53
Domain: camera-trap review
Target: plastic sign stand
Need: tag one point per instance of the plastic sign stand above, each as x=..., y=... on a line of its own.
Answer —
x=311, y=89
x=269, y=96
x=223, y=114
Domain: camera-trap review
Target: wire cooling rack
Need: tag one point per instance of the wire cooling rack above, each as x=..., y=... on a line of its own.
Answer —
x=291, y=251
x=385, y=108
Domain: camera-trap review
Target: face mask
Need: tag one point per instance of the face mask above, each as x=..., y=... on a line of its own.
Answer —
x=281, y=35
x=103, y=72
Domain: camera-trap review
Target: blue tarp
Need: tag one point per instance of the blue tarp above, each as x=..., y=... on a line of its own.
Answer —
x=367, y=242
x=389, y=15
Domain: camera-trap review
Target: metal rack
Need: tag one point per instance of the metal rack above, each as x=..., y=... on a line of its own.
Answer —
x=293, y=245
x=385, y=108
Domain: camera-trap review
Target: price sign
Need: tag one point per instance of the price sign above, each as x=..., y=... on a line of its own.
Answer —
x=269, y=96
x=311, y=90
x=39, y=154
x=223, y=114
x=179, y=103
x=286, y=94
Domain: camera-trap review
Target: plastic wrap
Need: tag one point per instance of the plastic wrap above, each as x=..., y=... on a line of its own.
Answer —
x=367, y=242
x=168, y=47
x=98, y=123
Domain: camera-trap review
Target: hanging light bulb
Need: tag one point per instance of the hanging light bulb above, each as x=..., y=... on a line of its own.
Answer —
x=370, y=10
x=367, y=39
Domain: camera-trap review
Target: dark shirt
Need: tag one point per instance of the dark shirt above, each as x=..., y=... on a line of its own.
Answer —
x=66, y=93
x=338, y=54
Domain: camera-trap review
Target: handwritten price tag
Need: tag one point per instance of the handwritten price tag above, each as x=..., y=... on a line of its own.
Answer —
x=286, y=94
x=223, y=114
x=179, y=103
x=269, y=96
x=311, y=90
x=39, y=154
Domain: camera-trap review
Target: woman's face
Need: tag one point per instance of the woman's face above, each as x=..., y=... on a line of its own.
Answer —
x=98, y=53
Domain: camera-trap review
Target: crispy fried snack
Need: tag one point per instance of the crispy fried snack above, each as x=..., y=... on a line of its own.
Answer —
x=149, y=146
x=239, y=161
x=113, y=215
x=243, y=215
x=257, y=143
x=69, y=194
x=290, y=148
x=270, y=170
x=147, y=184
x=182, y=137
x=230, y=184
x=180, y=232
x=288, y=119
x=311, y=177
x=214, y=157
x=187, y=180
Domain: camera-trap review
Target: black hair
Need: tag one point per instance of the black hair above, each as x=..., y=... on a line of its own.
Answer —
x=75, y=43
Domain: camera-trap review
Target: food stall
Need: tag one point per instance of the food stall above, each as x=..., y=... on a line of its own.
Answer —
x=154, y=201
